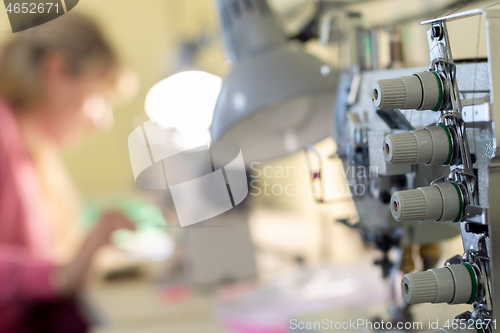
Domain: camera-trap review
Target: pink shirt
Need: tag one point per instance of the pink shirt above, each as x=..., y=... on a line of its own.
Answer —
x=26, y=272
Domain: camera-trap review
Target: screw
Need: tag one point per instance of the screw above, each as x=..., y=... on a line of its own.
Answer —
x=437, y=32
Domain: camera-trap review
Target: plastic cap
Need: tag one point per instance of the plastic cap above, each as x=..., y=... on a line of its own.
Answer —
x=451, y=284
x=389, y=94
x=439, y=202
x=400, y=148
x=408, y=205
x=431, y=145
x=421, y=91
x=419, y=287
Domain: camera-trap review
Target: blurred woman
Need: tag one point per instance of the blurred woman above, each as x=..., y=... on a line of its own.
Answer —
x=55, y=86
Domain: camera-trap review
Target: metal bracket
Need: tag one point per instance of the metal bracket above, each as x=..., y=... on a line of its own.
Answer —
x=489, y=111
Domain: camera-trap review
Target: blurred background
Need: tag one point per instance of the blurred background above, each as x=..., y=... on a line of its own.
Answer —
x=276, y=256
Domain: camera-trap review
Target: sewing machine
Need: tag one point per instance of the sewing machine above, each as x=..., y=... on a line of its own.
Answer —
x=431, y=134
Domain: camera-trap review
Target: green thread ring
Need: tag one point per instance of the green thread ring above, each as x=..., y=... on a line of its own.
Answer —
x=460, y=210
x=440, y=98
x=474, y=282
x=450, y=144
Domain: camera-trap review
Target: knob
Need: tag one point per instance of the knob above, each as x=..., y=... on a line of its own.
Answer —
x=421, y=91
x=432, y=145
x=441, y=202
x=454, y=284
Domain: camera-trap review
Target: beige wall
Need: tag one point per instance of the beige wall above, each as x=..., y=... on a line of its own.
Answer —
x=147, y=35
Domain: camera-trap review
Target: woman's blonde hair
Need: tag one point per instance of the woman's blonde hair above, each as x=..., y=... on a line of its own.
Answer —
x=76, y=36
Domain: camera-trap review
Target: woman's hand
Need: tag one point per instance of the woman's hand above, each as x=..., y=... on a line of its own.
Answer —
x=109, y=221
x=71, y=276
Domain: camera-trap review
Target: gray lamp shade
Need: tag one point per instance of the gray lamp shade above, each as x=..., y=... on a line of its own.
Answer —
x=276, y=99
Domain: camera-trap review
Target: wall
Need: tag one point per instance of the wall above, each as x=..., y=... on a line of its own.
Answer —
x=147, y=35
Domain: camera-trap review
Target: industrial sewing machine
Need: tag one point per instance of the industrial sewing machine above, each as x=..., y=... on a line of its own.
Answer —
x=425, y=138
x=432, y=139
